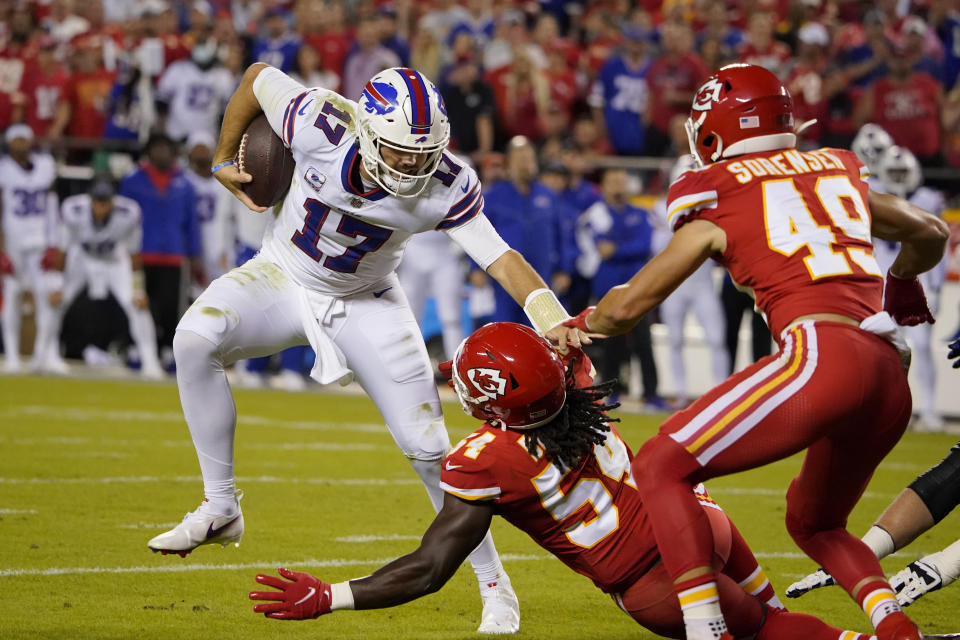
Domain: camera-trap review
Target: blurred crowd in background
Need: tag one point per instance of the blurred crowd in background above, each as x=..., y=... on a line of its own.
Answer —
x=568, y=109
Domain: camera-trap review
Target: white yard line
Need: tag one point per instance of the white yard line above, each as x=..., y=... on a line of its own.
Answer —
x=14, y=512
x=265, y=565
x=388, y=538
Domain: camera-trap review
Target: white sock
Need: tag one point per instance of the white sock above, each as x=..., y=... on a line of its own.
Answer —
x=879, y=541
x=210, y=413
x=946, y=562
x=484, y=559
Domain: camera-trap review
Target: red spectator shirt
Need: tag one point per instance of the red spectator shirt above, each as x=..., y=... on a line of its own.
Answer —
x=665, y=75
x=88, y=93
x=797, y=227
x=774, y=57
x=909, y=112
x=44, y=92
x=590, y=517
x=333, y=49
x=809, y=103
x=15, y=61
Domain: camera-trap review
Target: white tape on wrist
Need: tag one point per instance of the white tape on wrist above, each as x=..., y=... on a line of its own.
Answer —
x=139, y=282
x=341, y=596
x=544, y=310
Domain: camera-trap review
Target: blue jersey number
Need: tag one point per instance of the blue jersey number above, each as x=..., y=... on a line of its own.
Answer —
x=335, y=134
x=447, y=177
x=306, y=239
x=29, y=203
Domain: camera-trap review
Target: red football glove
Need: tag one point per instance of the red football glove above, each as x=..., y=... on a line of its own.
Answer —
x=52, y=259
x=583, y=371
x=6, y=265
x=446, y=369
x=579, y=321
x=905, y=302
x=303, y=598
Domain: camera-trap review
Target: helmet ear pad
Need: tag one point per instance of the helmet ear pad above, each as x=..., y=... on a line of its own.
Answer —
x=401, y=109
x=506, y=373
x=740, y=109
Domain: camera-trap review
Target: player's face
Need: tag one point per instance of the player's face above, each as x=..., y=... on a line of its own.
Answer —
x=101, y=210
x=20, y=147
x=201, y=157
x=408, y=162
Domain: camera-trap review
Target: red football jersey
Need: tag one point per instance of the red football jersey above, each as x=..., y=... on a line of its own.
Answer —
x=590, y=517
x=797, y=226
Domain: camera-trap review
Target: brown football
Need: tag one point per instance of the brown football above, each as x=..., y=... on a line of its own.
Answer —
x=263, y=155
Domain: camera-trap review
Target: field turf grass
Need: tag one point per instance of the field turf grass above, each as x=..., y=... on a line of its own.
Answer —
x=92, y=469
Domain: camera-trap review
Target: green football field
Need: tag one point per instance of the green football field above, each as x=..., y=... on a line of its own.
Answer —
x=92, y=469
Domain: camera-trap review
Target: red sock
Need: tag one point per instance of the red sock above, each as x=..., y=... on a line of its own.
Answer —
x=878, y=601
x=787, y=625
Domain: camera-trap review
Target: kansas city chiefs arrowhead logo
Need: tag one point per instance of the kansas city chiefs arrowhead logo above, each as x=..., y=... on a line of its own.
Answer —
x=707, y=95
x=489, y=382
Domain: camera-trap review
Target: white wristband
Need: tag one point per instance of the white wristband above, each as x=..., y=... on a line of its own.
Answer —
x=341, y=596
x=544, y=310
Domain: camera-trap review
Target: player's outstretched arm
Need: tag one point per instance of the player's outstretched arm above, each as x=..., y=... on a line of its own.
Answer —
x=242, y=108
x=620, y=309
x=454, y=533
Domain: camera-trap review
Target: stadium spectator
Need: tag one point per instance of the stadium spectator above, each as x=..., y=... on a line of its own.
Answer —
x=29, y=212
x=391, y=37
x=556, y=177
x=87, y=94
x=101, y=238
x=511, y=35
x=308, y=70
x=192, y=93
x=809, y=83
x=620, y=95
x=922, y=47
x=908, y=105
x=247, y=15
x=522, y=95
x=717, y=28
x=366, y=60
x=523, y=213
x=171, y=234
x=564, y=85
x=622, y=239
x=62, y=23
x=328, y=33
x=18, y=49
x=762, y=48
x=672, y=78
x=427, y=55
x=945, y=22
x=478, y=25
x=442, y=17
x=470, y=108
x=865, y=62
x=278, y=45
x=43, y=89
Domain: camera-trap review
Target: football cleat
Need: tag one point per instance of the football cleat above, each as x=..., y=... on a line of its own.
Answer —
x=815, y=580
x=916, y=580
x=501, y=609
x=203, y=526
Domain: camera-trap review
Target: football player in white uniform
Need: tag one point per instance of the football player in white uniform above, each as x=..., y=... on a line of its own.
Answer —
x=101, y=235
x=899, y=173
x=433, y=266
x=29, y=212
x=212, y=204
x=368, y=175
x=697, y=294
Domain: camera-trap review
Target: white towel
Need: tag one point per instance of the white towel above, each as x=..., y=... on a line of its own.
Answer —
x=317, y=310
x=884, y=326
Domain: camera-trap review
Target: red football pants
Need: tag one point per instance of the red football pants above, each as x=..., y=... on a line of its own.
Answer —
x=833, y=389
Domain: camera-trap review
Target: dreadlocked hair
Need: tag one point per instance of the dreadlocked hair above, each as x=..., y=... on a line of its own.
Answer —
x=581, y=423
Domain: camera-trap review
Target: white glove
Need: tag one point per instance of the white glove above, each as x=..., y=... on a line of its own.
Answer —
x=916, y=580
x=815, y=580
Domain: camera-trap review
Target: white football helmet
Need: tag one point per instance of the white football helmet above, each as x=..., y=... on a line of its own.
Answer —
x=402, y=110
x=900, y=172
x=870, y=143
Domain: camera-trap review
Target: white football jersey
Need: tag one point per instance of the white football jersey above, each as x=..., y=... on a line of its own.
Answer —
x=120, y=236
x=886, y=251
x=196, y=97
x=29, y=204
x=335, y=233
x=212, y=215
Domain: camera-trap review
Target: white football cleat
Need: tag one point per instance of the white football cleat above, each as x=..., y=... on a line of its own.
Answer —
x=203, y=526
x=501, y=609
x=815, y=580
x=916, y=580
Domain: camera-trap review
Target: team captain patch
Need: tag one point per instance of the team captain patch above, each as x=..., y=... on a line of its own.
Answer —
x=315, y=179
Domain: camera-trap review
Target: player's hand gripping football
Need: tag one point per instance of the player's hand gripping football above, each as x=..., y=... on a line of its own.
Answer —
x=815, y=580
x=231, y=177
x=300, y=596
x=904, y=300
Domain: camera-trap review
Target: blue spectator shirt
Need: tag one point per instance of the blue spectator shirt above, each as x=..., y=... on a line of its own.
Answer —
x=280, y=53
x=170, y=225
x=949, y=34
x=622, y=92
x=631, y=230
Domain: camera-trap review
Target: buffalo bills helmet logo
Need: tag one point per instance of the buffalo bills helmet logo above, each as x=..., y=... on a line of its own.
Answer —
x=421, y=139
x=379, y=98
x=489, y=382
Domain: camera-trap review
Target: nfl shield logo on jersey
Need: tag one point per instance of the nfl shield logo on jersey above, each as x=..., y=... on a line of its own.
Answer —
x=489, y=382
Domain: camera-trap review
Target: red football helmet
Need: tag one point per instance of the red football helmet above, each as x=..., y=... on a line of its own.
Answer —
x=507, y=373
x=741, y=108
